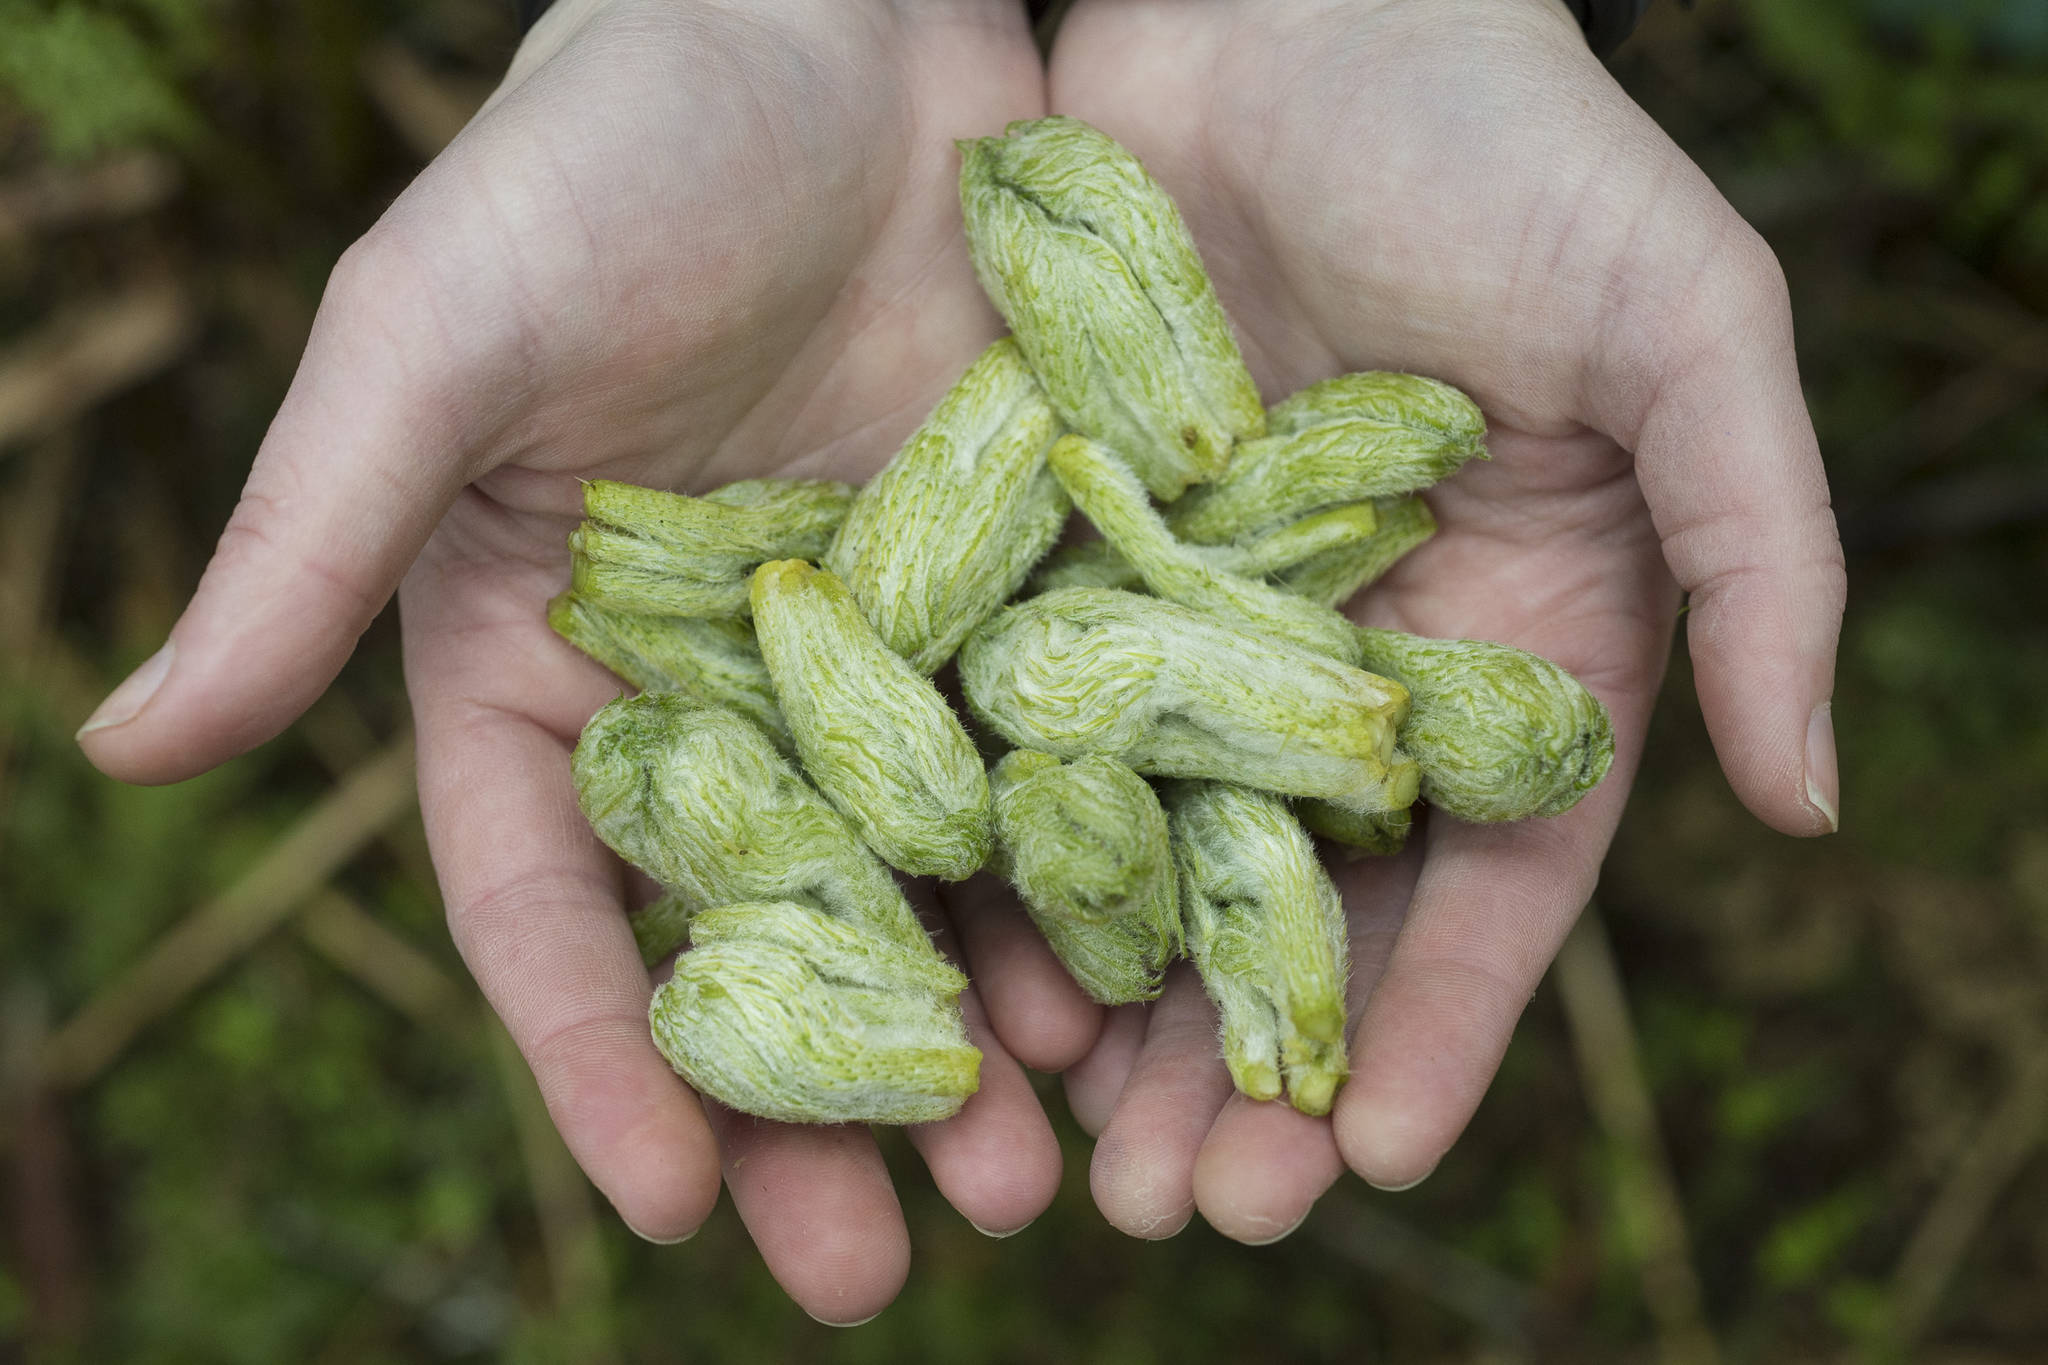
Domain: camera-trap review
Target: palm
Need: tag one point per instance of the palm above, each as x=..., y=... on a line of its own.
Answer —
x=1413, y=186
x=756, y=281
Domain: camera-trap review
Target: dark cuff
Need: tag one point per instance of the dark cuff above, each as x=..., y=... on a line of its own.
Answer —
x=1607, y=22
x=530, y=12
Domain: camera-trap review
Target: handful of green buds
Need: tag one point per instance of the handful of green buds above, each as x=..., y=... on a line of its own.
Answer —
x=1172, y=708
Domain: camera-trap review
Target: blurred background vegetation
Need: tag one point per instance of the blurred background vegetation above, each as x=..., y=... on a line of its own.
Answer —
x=1781, y=1101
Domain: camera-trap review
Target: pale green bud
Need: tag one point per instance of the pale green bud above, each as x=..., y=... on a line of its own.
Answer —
x=1176, y=692
x=1500, y=733
x=697, y=798
x=1357, y=436
x=662, y=927
x=714, y=662
x=1266, y=930
x=1087, y=258
x=873, y=732
x=783, y=1012
x=1106, y=491
x=1085, y=844
x=1381, y=832
x=947, y=532
x=1334, y=576
x=1281, y=554
x=665, y=554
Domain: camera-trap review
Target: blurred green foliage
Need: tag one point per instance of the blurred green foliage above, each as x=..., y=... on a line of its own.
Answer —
x=297, y=1164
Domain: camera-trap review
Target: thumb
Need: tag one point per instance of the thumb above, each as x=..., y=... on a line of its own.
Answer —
x=361, y=461
x=1732, y=473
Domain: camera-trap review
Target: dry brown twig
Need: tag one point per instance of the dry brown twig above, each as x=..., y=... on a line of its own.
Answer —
x=426, y=108
x=561, y=1196
x=2002, y=1144
x=90, y=352
x=358, y=944
x=1604, y=1039
x=54, y=197
x=298, y=863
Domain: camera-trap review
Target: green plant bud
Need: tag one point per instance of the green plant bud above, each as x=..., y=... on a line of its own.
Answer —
x=1336, y=575
x=1087, y=258
x=1277, y=554
x=662, y=927
x=1122, y=962
x=697, y=798
x=714, y=662
x=874, y=734
x=1266, y=930
x=1085, y=564
x=1084, y=840
x=1106, y=491
x=943, y=536
x=1357, y=436
x=665, y=554
x=1500, y=733
x=1179, y=693
x=1085, y=845
x=784, y=1012
x=1381, y=832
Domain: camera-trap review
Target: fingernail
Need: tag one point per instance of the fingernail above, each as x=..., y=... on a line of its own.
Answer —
x=1281, y=1235
x=1823, y=778
x=1396, y=1189
x=857, y=1322
x=998, y=1236
x=660, y=1241
x=125, y=702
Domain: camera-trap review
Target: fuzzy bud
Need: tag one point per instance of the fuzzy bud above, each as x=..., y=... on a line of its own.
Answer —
x=874, y=734
x=1087, y=258
x=784, y=1012
x=1175, y=692
x=1357, y=436
x=1266, y=930
x=1085, y=844
x=665, y=554
x=948, y=531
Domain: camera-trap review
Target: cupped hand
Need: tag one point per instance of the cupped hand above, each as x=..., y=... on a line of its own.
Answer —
x=681, y=245
x=1458, y=188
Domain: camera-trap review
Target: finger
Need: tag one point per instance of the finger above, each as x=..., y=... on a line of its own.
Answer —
x=534, y=907
x=1490, y=909
x=1044, y=1020
x=996, y=1161
x=819, y=1205
x=1264, y=1163
x=1142, y=1175
x=1733, y=477
x=1096, y=1082
x=364, y=456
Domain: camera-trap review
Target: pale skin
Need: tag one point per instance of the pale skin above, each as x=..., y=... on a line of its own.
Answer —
x=684, y=245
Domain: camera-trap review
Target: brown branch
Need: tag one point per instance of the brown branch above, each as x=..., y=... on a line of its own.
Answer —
x=1604, y=1039
x=44, y=1215
x=88, y=353
x=387, y=966
x=2001, y=1146
x=301, y=861
x=1384, y=1245
x=428, y=110
x=569, y=1230
x=60, y=197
